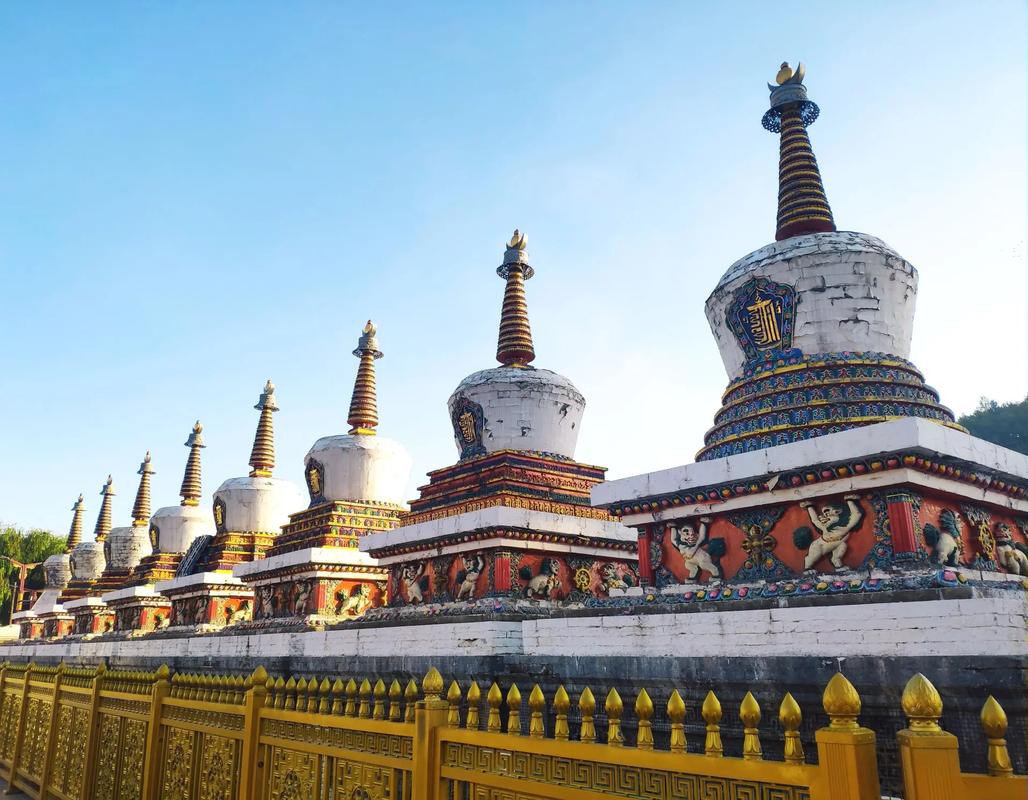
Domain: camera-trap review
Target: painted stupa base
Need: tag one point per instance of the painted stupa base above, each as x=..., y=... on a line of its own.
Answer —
x=908, y=495
x=155, y=567
x=138, y=610
x=92, y=616
x=335, y=524
x=504, y=551
x=30, y=626
x=313, y=586
x=207, y=601
x=57, y=624
x=111, y=579
x=76, y=589
x=235, y=547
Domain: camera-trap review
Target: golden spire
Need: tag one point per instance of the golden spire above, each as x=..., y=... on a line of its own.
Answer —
x=75, y=534
x=514, y=348
x=262, y=457
x=802, y=203
x=363, y=417
x=190, y=490
x=141, y=508
x=103, y=519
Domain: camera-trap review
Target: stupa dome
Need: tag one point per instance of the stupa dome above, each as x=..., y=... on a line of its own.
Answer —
x=515, y=406
x=359, y=465
x=125, y=547
x=258, y=502
x=57, y=571
x=87, y=561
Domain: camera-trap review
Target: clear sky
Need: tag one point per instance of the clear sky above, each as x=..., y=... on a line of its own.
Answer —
x=197, y=196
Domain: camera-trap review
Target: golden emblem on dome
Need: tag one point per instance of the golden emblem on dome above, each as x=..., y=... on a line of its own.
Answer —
x=466, y=423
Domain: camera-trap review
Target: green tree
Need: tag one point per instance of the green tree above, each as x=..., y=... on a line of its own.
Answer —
x=1004, y=424
x=28, y=547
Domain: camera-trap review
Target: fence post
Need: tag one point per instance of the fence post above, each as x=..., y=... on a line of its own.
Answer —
x=249, y=768
x=93, y=730
x=928, y=755
x=155, y=733
x=51, y=733
x=847, y=761
x=429, y=716
x=19, y=734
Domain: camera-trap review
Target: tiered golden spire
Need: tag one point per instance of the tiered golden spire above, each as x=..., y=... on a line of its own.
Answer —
x=103, y=519
x=514, y=348
x=802, y=203
x=190, y=490
x=363, y=418
x=141, y=508
x=75, y=533
x=262, y=457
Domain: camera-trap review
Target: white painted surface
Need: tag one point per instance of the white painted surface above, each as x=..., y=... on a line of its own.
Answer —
x=85, y=602
x=197, y=581
x=362, y=467
x=128, y=593
x=252, y=570
x=178, y=526
x=854, y=293
x=46, y=603
x=125, y=547
x=57, y=571
x=524, y=409
x=259, y=504
x=498, y=517
x=982, y=625
x=923, y=436
x=87, y=561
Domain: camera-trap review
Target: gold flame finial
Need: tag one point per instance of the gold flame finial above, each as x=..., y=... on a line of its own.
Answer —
x=75, y=532
x=262, y=456
x=190, y=490
x=514, y=347
x=841, y=702
x=141, y=508
x=103, y=519
x=363, y=417
x=922, y=704
x=784, y=73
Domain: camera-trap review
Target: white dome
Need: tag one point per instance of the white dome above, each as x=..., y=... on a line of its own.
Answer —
x=178, y=526
x=57, y=571
x=87, y=561
x=853, y=294
x=511, y=408
x=257, y=504
x=357, y=467
x=125, y=547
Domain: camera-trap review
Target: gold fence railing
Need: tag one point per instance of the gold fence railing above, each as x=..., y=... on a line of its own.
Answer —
x=96, y=734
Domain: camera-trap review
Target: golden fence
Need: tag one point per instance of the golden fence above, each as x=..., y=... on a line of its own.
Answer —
x=95, y=734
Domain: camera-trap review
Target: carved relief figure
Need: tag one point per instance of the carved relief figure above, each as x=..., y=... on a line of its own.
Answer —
x=835, y=523
x=356, y=603
x=690, y=544
x=414, y=583
x=264, y=595
x=546, y=583
x=303, y=592
x=947, y=546
x=1010, y=555
x=612, y=580
x=240, y=614
x=199, y=610
x=468, y=577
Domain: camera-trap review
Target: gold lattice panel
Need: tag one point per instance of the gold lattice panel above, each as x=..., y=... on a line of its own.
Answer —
x=293, y=775
x=179, y=764
x=219, y=760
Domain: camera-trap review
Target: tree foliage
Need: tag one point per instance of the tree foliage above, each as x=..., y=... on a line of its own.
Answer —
x=1005, y=424
x=29, y=547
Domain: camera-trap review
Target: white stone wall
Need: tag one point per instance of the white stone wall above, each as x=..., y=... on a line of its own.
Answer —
x=362, y=468
x=974, y=626
x=178, y=526
x=87, y=561
x=524, y=409
x=259, y=504
x=125, y=547
x=853, y=293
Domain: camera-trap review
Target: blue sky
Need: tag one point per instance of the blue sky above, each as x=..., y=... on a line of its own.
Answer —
x=199, y=196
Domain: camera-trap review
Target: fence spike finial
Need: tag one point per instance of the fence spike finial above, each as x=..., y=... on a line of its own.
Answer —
x=790, y=716
x=561, y=706
x=410, y=698
x=495, y=700
x=364, y=709
x=749, y=713
x=922, y=704
x=453, y=696
x=994, y=723
x=514, y=710
x=711, y=712
x=474, y=700
x=644, y=714
x=537, y=703
x=841, y=702
x=614, y=708
x=587, y=708
x=395, y=695
x=676, y=713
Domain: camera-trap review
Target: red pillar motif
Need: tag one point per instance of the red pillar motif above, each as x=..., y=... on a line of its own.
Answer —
x=645, y=565
x=501, y=573
x=901, y=523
